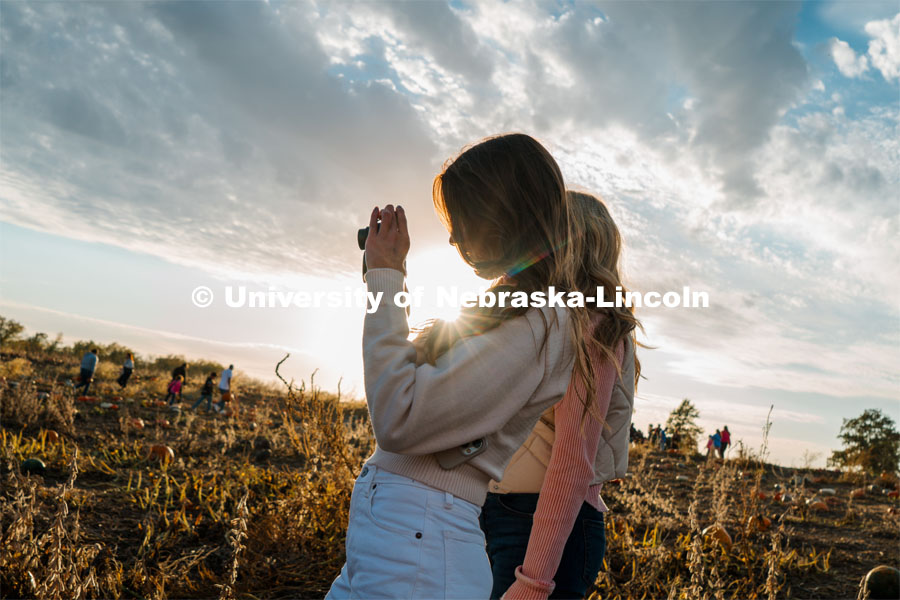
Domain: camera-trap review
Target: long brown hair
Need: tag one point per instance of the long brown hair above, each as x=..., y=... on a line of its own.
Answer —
x=596, y=239
x=504, y=202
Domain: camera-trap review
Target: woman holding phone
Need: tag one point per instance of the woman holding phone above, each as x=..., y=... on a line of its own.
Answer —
x=413, y=530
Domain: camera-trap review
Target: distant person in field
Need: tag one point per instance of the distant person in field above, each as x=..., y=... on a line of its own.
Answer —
x=225, y=387
x=174, y=389
x=663, y=440
x=675, y=440
x=88, y=366
x=127, y=370
x=635, y=435
x=180, y=371
x=717, y=441
x=725, y=441
x=710, y=446
x=206, y=393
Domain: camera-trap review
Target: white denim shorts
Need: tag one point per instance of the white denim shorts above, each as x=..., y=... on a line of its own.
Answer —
x=408, y=540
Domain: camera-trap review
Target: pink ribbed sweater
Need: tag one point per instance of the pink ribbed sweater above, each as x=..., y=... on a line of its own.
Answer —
x=566, y=482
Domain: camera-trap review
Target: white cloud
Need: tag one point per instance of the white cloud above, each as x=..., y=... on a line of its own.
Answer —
x=255, y=138
x=884, y=48
x=848, y=63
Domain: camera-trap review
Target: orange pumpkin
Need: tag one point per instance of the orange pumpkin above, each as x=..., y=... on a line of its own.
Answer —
x=137, y=423
x=718, y=534
x=818, y=506
x=858, y=493
x=164, y=423
x=763, y=496
x=162, y=453
x=893, y=494
x=51, y=436
x=760, y=522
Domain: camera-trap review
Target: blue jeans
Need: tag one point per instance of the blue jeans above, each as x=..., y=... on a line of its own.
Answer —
x=86, y=377
x=506, y=522
x=208, y=398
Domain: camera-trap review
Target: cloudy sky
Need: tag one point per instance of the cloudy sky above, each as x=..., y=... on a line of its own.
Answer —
x=748, y=149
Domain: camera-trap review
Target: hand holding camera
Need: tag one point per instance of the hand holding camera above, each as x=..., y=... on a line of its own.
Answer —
x=386, y=240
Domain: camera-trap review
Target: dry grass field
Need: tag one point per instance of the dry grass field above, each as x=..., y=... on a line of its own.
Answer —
x=139, y=501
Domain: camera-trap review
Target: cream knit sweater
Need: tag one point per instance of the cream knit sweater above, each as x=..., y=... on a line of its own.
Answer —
x=495, y=386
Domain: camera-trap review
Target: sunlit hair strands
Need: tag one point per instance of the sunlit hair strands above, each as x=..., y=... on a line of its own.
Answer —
x=504, y=202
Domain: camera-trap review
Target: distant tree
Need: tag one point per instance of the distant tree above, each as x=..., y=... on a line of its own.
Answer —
x=36, y=343
x=56, y=344
x=9, y=330
x=871, y=442
x=684, y=420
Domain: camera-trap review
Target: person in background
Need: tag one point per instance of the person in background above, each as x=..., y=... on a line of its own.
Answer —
x=225, y=387
x=225, y=380
x=663, y=440
x=709, y=448
x=88, y=366
x=635, y=435
x=174, y=389
x=726, y=441
x=182, y=371
x=717, y=441
x=206, y=392
x=127, y=370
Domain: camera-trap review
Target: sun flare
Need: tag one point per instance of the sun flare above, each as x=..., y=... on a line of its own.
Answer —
x=437, y=268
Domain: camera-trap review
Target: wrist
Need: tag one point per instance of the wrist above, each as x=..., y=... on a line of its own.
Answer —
x=537, y=585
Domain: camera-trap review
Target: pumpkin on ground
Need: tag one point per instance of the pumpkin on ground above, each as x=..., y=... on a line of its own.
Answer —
x=162, y=453
x=34, y=466
x=718, y=534
x=51, y=436
x=881, y=582
x=858, y=493
x=762, y=523
x=818, y=506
